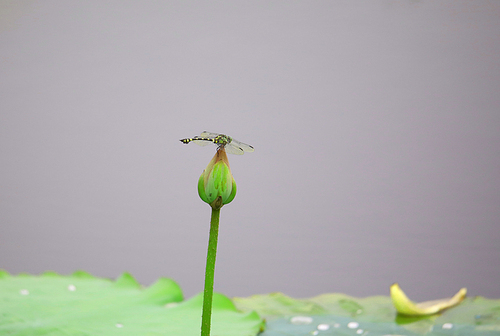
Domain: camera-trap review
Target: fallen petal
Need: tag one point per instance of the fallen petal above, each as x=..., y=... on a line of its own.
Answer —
x=407, y=307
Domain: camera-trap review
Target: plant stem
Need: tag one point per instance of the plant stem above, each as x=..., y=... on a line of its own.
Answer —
x=209, y=273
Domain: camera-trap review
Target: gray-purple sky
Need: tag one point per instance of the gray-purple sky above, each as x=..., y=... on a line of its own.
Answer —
x=376, y=127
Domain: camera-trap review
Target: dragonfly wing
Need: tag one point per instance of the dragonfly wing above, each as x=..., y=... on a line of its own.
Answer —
x=206, y=134
x=242, y=146
x=234, y=149
x=202, y=142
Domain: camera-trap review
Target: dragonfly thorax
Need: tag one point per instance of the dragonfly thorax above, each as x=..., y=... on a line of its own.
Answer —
x=222, y=139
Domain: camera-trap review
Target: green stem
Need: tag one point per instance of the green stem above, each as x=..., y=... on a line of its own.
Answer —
x=209, y=273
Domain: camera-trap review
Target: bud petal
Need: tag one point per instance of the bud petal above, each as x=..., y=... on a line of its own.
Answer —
x=217, y=181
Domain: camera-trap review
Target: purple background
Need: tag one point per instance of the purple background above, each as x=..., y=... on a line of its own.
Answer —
x=376, y=128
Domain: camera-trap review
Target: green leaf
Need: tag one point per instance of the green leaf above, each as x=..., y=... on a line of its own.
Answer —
x=82, y=305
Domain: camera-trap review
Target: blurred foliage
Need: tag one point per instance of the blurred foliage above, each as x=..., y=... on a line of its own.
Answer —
x=340, y=314
x=81, y=304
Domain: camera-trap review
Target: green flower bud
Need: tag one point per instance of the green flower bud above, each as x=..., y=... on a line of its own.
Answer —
x=216, y=185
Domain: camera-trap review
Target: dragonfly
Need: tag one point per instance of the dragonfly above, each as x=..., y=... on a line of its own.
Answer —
x=222, y=141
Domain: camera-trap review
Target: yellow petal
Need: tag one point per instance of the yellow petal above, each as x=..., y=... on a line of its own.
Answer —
x=407, y=307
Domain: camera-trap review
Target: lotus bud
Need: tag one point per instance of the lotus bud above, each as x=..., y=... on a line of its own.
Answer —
x=216, y=185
